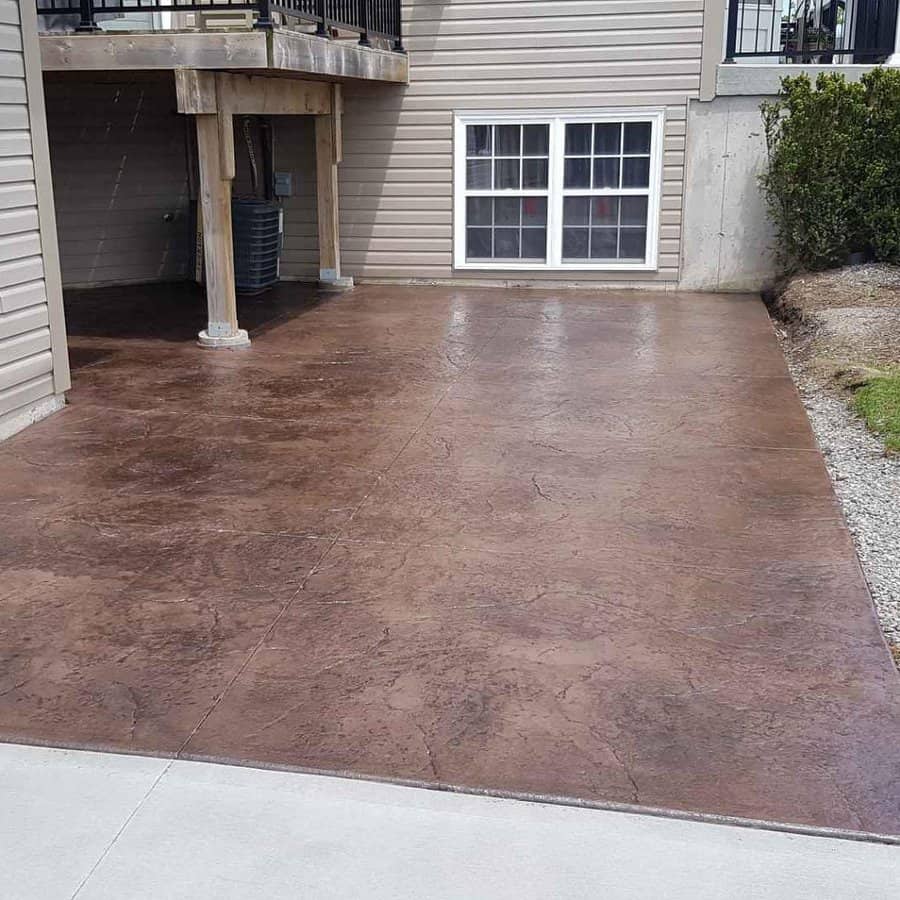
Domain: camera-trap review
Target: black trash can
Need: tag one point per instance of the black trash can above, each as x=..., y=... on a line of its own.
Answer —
x=257, y=231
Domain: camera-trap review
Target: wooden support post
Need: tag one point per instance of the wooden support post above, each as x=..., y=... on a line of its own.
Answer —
x=328, y=155
x=216, y=153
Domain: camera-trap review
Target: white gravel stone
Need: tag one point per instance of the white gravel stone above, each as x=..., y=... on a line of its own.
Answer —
x=867, y=483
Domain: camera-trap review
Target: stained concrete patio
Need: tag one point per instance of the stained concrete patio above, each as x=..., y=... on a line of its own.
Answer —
x=570, y=544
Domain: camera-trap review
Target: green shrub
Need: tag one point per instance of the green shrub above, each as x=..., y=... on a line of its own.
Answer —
x=833, y=180
x=880, y=193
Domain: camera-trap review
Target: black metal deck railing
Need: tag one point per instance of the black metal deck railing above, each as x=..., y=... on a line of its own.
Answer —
x=811, y=31
x=370, y=19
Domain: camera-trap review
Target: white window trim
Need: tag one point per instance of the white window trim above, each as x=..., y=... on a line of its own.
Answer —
x=557, y=119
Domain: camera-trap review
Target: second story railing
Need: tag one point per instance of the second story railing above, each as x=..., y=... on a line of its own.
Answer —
x=811, y=31
x=380, y=19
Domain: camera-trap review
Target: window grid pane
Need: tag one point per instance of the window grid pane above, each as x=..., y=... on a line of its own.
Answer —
x=501, y=159
x=612, y=155
x=500, y=228
x=606, y=188
x=601, y=159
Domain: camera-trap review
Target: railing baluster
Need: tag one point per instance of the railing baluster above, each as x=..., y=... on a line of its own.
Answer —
x=264, y=19
x=363, y=6
x=774, y=35
x=86, y=12
x=321, y=27
x=731, y=40
x=398, y=27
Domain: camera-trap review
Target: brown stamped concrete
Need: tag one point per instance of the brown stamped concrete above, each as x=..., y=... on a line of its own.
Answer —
x=570, y=544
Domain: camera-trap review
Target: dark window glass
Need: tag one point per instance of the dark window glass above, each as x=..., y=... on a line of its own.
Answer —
x=577, y=173
x=534, y=243
x=637, y=137
x=636, y=172
x=479, y=211
x=537, y=140
x=509, y=139
x=575, y=243
x=634, y=210
x=534, y=210
x=633, y=243
x=506, y=243
x=607, y=139
x=506, y=173
x=576, y=210
x=478, y=174
x=506, y=211
x=534, y=173
x=606, y=172
x=605, y=211
x=578, y=140
x=603, y=243
x=478, y=140
x=478, y=243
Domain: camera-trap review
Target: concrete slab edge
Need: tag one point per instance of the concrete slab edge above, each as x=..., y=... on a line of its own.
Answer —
x=524, y=796
x=21, y=418
x=575, y=802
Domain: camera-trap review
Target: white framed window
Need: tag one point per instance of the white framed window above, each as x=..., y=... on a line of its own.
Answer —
x=557, y=190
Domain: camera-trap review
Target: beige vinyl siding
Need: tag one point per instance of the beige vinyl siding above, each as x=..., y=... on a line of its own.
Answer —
x=396, y=178
x=32, y=352
x=295, y=151
x=119, y=150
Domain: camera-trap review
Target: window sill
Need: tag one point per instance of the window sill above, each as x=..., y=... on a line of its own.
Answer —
x=543, y=267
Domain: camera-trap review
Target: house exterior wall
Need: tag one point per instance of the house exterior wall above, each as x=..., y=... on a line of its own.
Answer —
x=729, y=242
x=33, y=361
x=120, y=171
x=396, y=179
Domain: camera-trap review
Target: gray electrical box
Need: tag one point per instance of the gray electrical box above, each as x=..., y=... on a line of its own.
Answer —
x=284, y=184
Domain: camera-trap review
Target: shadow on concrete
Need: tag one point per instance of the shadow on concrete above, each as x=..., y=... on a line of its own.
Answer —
x=173, y=313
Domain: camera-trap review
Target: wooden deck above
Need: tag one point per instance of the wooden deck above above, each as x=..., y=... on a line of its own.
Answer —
x=279, y=51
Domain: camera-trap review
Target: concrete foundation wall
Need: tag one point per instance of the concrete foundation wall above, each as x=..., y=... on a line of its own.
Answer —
x=728, y=240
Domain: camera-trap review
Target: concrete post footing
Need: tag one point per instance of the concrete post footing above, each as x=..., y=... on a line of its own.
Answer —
x=336, y=285
x=234, y=341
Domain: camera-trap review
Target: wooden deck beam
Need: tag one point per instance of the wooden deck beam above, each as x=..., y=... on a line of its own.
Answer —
x=207, y=93
x=284, y=52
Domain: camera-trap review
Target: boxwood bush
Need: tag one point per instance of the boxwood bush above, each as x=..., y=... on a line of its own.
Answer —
x=832, y=183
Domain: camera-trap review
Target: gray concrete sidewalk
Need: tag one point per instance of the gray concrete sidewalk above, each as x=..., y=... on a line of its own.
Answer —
x=92, y=825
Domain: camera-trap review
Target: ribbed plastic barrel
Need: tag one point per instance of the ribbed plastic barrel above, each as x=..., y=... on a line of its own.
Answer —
x=257, y=230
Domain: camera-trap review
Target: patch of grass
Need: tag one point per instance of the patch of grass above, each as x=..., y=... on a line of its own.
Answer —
x=878, y=403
